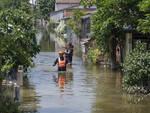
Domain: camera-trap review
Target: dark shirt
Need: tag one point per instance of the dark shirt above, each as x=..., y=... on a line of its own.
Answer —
x=70, y=50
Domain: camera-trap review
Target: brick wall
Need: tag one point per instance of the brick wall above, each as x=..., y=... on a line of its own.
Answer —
x=68, y=12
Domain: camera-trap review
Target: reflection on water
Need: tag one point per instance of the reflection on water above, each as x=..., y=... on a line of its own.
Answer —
x=83, y=88
x=46, y=44
x=109, y=98
x=62, y=79
x=30, y=99
x=63, y=82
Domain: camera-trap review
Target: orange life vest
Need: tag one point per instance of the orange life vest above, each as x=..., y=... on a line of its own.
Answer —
x=61, y=63
x=61, y=81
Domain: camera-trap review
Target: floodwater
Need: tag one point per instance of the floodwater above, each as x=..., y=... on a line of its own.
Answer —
x=83, y=88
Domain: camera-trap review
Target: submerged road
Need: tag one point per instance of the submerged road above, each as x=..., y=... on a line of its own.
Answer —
x=82, y=89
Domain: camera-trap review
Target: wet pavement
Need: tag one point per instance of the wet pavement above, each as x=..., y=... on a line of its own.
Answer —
x=84, y=88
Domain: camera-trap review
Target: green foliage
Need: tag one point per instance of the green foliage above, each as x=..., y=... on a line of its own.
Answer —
x=144, y=23
x=12, y=3
x=45, y=7
x=25, y=7
x=93, y=55
x=8, y=106
x=51, y=25
x=17, y=39
x=88, y=2
x=144, y=5
x=77, y=14
x=61, y=29
x=112, y=16
x=52, y=22
x=76, y=28
x=74, y=22
x=137, y=67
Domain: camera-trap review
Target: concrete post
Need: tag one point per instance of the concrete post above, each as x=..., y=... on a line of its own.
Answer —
x=20, y=74
x=16, y=94
x=128, y=43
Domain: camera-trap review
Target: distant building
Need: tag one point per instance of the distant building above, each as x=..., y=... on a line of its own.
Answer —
x=86, y=25
x=63, y=4
x=68, y=11
x=65, y=13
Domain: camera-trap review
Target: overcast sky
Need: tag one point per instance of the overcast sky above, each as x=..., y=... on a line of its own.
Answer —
x=32, y=1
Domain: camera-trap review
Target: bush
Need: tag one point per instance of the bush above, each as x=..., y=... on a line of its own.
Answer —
x=51, y=25
x=93, y=55
x=8, y=106
x=136, y=67
x=61, y=29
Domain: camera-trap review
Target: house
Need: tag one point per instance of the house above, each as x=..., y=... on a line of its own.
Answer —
x=87, y=10
x=118, y=49
x=64, y=14
x=57, y=16
x=63, y=4
x=86, y=32
x=86, y=25
x=61, y=9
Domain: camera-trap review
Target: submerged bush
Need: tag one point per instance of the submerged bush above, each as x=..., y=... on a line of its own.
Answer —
x=51, y=25
x=8, y=106
x=93, y=55
x=136, y=68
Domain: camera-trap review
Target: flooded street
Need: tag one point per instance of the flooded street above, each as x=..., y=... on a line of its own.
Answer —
x=84, y=88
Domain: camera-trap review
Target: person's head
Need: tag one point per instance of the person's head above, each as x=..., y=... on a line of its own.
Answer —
x=61, y=53
x=70, y=43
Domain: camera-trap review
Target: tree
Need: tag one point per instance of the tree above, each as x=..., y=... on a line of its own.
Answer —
x=12, y=3
x=144, y=23
x=112, y=17
x=45, y=7
x=75, y=22
x=88, y=2
x=17, y=39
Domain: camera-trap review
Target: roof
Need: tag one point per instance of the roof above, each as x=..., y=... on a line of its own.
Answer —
x=68, y=1
x=89, y=15
x=85, y=40
x=73, y=7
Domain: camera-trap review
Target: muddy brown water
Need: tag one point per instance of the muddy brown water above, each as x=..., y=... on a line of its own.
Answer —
x=84, y=88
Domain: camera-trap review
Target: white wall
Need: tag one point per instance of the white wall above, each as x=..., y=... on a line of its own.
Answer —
x=56, y=16
x=32, y=1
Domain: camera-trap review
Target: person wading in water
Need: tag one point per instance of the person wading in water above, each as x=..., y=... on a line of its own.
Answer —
x=62, y=62
x=69, y=53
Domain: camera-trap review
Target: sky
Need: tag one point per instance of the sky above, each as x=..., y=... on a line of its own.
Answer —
x=32, y=1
